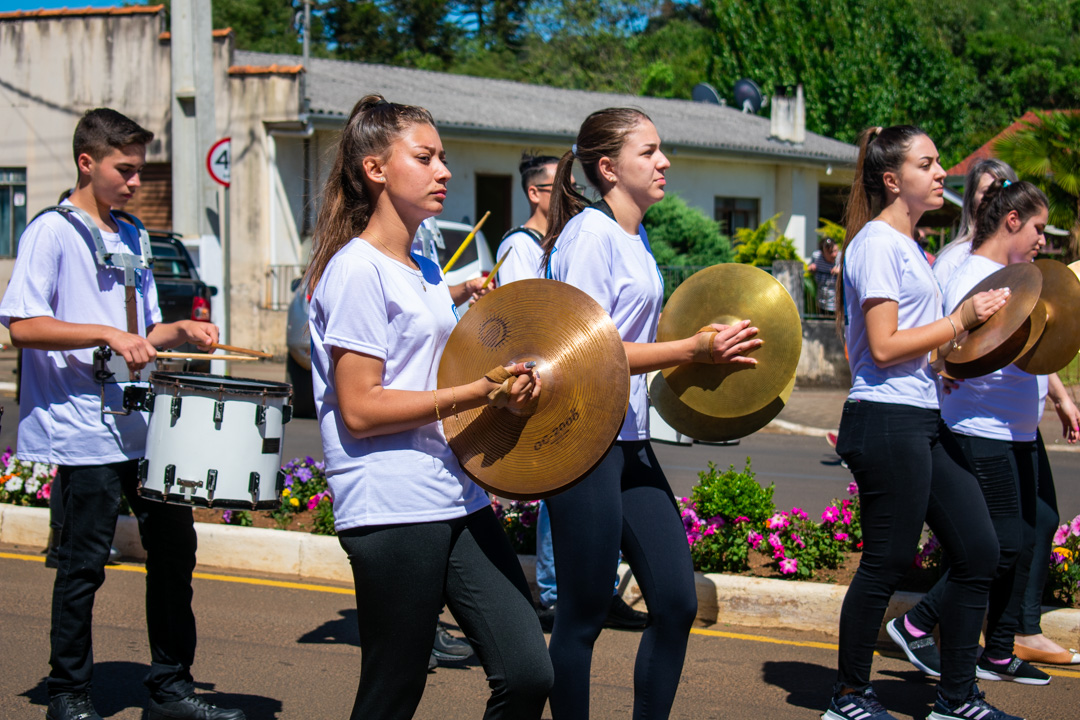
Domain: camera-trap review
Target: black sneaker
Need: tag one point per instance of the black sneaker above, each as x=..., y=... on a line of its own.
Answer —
x=192, y=707
x=922, y=652
x=1016, y=670
x=76, y=706
x=974, y=708
x=623, y=617
x=432, y=662
x=547, y=617
x=449, y=648
x=857, y=706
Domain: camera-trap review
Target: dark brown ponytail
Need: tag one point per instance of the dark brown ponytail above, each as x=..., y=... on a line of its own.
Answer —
x=373, y=126
x=1001, y=198
x=601, y=135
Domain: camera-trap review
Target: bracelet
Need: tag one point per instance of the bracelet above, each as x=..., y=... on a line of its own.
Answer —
x=953, y=327
x=435, y=394
x=453, y=394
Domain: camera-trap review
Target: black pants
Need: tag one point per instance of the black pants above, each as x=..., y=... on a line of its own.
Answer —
x=624, y=503
x=1008, y=475
x=91, y=496
x=403, y=574
x=909, y=468
x=1046, y=524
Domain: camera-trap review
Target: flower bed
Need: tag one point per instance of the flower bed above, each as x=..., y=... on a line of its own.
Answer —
x=731, y=524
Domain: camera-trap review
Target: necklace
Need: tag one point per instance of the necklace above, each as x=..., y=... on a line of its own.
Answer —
x=398, y=257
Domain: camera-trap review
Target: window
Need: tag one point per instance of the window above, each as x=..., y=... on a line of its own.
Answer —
x=735, y=213
x=12, y=209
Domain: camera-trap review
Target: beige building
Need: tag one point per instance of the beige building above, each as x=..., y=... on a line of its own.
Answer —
x=284, y=122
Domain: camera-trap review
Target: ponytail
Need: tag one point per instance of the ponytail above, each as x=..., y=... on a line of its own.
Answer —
x=1001, y=198
x=372, y=128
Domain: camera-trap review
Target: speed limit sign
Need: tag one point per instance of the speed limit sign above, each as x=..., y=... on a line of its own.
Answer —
x=218, y=161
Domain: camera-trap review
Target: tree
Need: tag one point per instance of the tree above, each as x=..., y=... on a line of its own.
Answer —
x=763, y=245
x=684, y=235
x=1046, y=151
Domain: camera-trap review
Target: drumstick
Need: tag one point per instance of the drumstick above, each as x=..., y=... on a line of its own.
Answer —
x=496, y=268
x=204, y=356
x=243, y=351
x=464, y=244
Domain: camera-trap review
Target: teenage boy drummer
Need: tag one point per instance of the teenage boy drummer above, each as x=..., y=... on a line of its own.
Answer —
x=61, y=304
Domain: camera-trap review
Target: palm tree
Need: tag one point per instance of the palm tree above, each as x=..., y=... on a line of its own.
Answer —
x=1046, y=152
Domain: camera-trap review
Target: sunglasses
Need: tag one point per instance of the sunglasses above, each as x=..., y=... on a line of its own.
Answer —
x=580, y=189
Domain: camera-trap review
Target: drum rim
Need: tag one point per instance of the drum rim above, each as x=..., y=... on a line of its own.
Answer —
x=209, y=381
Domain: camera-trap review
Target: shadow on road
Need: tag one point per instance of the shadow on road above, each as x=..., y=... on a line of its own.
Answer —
x=119, y=686
x=810, y=686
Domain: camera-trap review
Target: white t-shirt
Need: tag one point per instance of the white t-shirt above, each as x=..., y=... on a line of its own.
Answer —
x=1004, y=405
x=369, y=303
x=618, y=271
x=523, y=262
x=880, y=262
x=56, y=275
x=949, y=260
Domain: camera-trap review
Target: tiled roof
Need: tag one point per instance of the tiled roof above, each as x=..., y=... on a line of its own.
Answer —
x=987, y=150
x=266, y=69
x=76, y=12
x=502, y=106
x=217, y=32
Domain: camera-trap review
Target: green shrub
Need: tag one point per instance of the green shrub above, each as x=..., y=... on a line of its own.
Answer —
x=683, y=235
x=764, y=245
x=732, y=494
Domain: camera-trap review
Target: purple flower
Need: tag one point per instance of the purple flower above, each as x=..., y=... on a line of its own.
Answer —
x=852, y=489
x=788, y=566
x=302, y=474
x=226, y=517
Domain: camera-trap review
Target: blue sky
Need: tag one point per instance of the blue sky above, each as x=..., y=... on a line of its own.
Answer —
x=9, y=5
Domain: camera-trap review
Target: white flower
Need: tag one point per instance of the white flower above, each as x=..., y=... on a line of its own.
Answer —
x=31, y=486
x=14, y=484
x=40, y=469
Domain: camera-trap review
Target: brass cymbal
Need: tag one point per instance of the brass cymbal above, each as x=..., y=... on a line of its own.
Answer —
x=997, y=342
x=1005, y=354
x=700, y=426
x=726, y=294
x=1075, y=267
x=584, y=387
x=1060, y=339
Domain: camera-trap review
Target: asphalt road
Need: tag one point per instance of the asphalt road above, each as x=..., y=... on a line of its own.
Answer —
x=292, y=652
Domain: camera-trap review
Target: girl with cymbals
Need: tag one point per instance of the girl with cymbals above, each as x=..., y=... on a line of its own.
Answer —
x=416, y=529
x=906, y=462
x=625, y=503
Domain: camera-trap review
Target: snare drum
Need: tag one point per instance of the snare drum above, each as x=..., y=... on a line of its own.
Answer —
x=215, y=441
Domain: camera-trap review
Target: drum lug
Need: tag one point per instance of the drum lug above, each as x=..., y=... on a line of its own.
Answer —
x=253, y=488
x=144, y=468
x=280, y=482
x=219, y=412
x=170, y=477
x=211, y=484
x=286, y=414
x=175, y=409
x=260, y=415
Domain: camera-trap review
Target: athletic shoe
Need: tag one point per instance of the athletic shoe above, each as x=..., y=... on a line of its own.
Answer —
x=623, y=617
x=75, y=706
x=192, y=707
x=449, y=648
x=857, y=706
x=922, y=652
x=432, y=662
x=974, y=708
x=1017, y=670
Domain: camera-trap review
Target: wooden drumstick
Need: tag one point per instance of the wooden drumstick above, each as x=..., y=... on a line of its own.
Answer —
x=204, y=356
x=242, y=351
x=464, y=244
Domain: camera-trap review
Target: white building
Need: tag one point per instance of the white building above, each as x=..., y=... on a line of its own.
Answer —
x=54, y=65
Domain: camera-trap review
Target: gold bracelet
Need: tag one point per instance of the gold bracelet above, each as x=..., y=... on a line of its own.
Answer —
x=453, y=394
x=435, y=394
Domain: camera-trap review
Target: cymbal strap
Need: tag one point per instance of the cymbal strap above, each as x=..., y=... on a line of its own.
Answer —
x=498, y=374
x=703, y=351
x=968, y=318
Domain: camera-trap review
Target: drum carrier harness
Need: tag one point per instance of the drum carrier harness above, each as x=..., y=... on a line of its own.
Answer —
x=135, y=398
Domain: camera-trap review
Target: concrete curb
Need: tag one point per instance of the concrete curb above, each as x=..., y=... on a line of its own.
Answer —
x=734, y=599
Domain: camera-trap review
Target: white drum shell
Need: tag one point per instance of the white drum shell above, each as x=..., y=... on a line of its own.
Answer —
x=197, y=447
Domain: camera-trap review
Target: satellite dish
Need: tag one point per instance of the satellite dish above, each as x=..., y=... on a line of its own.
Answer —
x=706, y=93
x=748, y=96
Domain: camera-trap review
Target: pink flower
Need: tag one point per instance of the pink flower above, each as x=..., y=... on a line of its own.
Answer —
x=831, y=514
x=1061, y=535
x=852, y=489
x=841, y=536
x=778, y=521
x=847, y=516
x=1074, y=526
x=754, y=538
x=710, y=530
x=788, y=566
x=45, y=491
x=798, y=540
x=799, y=513
x=778, y=554
x=741, y=519
x=775, y=542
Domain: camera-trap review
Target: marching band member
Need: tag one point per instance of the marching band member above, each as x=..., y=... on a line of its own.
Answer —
x=625, y=503
x=416, y=529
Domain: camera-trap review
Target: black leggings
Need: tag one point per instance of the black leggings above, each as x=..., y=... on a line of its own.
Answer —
x=624, y=503
x=909, y=468
x=403, y=573
x=1008, y=474
x=1046, y=524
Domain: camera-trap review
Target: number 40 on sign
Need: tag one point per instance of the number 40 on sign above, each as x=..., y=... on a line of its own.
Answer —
x=218, y=161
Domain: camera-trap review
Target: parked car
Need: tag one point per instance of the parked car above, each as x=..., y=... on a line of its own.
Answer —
x=181, y=294
x=474, y=261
